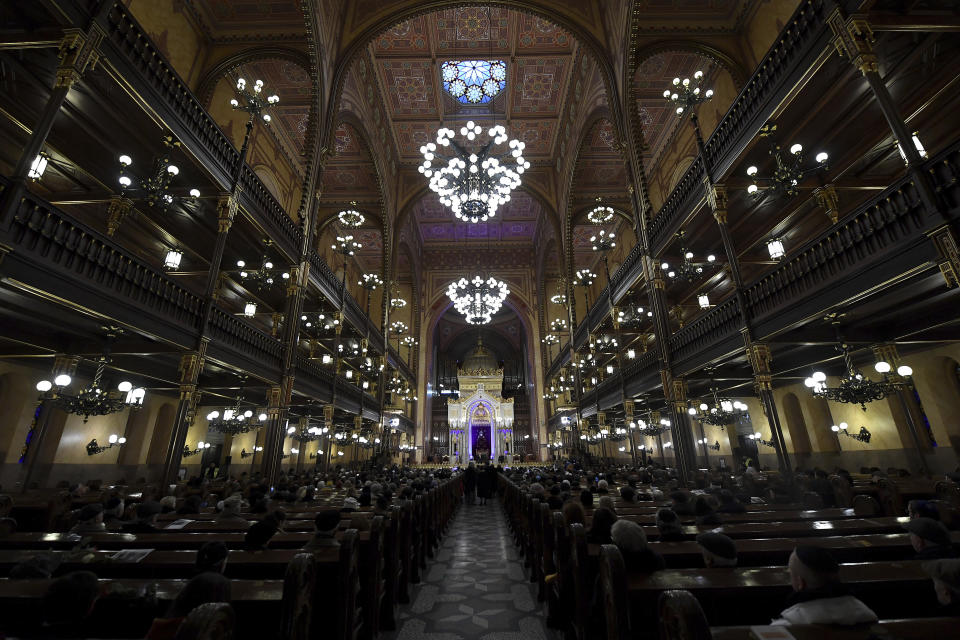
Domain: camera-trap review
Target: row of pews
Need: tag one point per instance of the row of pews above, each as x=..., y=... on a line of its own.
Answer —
x=350, y=592
x=581, y=582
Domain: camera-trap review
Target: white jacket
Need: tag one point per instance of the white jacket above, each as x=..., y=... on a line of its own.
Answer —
x=844, y=610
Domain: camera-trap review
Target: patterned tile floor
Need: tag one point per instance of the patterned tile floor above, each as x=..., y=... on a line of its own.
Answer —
x=475, y=586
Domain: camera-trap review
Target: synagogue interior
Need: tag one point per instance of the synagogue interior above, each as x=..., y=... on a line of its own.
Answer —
x=495, y=319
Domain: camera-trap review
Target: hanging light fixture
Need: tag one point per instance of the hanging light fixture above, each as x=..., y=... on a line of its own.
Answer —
x=916, y=145
x=600, y=214
x=758, y=438
x=603, y=241
x=253, y=101
x=346, y=245
x=350, y=217
x=155, y=188
x=722, y=412
x=266, y=275
x=473, y=178
x=235, y=420
x=775, y=248
x=92, y=400
x=370, y=281
x=863, y=435
x=478, y=299
x=557, y=325
x=686, y=93
x=704, y=301
x=856, y=388
x=688, y=270
x=38, y=166
x=250, y=309
x=787, y=172
x=171, y=261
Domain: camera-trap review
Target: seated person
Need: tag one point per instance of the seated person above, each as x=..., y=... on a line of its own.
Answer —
x=930, y=539
x=168, y=504
x=682, y=505
x=325, y=526
x=190, y=506
x=89, y=520
x=606, y=501
x=586, y=499
x=632, y=542
x=212, y=558
x=260, y=533
x=573, y=512
x=603, y=520
x=230, y=511
x=146, y=521
x=628, y=494
x=350, y=505
x=113, y=512
x=729, y=503
x=204, y=588
x=68, y=603
x=946, y=583
x=669, y=525
x=703, y=509
x=818, y=595
x=922, y=509
x=717, y=549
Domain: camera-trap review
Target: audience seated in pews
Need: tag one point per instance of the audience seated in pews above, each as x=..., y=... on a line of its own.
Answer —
x=818, y=595
x=89, y=520
x=146, y=520
x=325, y=526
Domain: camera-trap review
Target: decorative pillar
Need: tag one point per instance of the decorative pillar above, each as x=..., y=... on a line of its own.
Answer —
x=191, y=364
x=760, y=356
x=278, y=400
x=77, y=53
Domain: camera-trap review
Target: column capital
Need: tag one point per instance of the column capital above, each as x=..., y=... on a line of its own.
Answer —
x=829, y=201
x=759, y=356
x=191, y=364
x=77, y=53
x=63, y=363
x=853, y=39
x=949, y=262
x=717, y=199
x=762, y=382
x=226, y=212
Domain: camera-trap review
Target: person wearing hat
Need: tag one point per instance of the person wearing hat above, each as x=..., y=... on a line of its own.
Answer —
x=325, y=525
x=930, y=539
x=89, y=520
x=718, y=550
x=668, y=523
x=350, y=505
x=146, y=521
x=946, y=582
x=212, y=557
x=818, y=595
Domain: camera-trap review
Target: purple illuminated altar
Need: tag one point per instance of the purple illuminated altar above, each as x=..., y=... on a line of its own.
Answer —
x=481, y=441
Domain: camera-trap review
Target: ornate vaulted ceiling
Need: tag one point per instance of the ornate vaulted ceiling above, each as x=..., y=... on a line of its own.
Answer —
x=539, y=58
x=226, y=21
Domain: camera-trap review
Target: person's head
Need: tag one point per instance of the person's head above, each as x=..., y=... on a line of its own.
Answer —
x=113, y=507
x=91, y=514
x=702, y=506
x=946, y=579
x=668, y=522
x=6, y=505
x=717, y=549
x=212, y=557
x=628, y=536
x=326, y=521
x=168, y=504
x=606, y=502
x=191, y=505
x=148, y=511
x=603, y=486
x=70, y=598
x=537, y=490
x=260, y=533
x=812, y=568
x=350, y=504
x=586, y=499
x=680, y=497
x=602, y=523
x=204, y=588
x=927, y=532
x=922, y=509
x=573, y=512
x=628, y=494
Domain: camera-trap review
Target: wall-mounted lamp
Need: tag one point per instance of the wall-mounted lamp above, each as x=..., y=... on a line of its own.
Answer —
x=93, y=448
x=863, y=435
x=201, y=446
x=245, y=454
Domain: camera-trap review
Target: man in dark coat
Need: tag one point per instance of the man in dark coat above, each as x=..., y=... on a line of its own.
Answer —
x=470, y=484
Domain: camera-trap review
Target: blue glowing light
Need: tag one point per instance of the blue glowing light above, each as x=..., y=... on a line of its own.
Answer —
x=474, y=81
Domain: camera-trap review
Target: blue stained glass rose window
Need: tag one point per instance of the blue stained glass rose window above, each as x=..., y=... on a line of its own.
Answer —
x=474, y=81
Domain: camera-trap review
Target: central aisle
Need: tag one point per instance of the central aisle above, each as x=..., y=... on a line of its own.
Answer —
x=475, y=587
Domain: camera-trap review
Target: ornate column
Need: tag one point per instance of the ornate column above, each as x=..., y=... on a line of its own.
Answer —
x=77, y=53
x=191, y=364
x=118, y=209
x=759, y=356
x=278, y=401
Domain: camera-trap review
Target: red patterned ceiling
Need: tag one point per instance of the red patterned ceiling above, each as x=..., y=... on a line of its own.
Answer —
x=539, y=58
x=350, y=173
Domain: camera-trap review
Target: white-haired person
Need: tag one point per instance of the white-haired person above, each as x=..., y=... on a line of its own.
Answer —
x=631, y=540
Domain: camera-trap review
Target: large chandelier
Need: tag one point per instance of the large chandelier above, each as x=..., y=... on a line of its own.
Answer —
x=688, y=270
x=856, y=388
x=787, y=172
x=92, y=400
x=473, y=178
x=235, y=420
x=478, y=299
x=155, y=187
x=264, y=276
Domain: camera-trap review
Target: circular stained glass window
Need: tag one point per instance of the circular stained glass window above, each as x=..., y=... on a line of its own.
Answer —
x=474, y=81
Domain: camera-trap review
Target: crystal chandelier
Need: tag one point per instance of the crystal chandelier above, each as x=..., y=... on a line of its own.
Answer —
x=473, y=178
x=856, y=388
x=689, y=270
x=722, y=412
x=478, y=299
x=92, y=400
